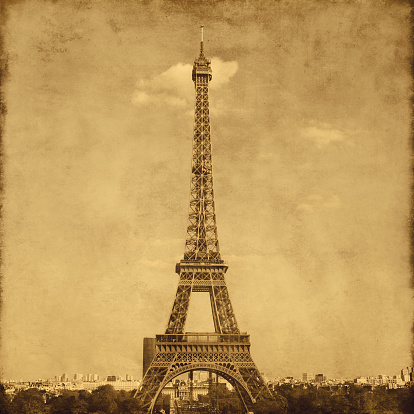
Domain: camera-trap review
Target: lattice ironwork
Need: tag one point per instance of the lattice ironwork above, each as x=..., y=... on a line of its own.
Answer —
x=227, y=355
x=227, y=351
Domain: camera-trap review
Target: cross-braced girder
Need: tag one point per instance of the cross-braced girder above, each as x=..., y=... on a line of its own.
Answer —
x=202, y=278
x=202, y=240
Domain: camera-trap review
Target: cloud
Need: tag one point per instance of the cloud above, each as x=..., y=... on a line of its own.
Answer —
x=174, y=87
x=315, y=201
x=268, y=156
x=222, y=72
x=322, y=134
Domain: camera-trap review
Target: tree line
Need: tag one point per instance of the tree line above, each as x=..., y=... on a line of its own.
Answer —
x=100, y=401
x=288, y=400
x=351, y=399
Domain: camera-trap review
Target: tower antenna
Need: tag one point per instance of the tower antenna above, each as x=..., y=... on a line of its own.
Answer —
x=202, y=40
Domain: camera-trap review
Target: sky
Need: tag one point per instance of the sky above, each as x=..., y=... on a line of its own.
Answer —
x=311, y=162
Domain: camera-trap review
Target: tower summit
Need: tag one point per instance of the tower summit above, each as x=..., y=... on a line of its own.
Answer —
x=226, y=351
x=202, y=241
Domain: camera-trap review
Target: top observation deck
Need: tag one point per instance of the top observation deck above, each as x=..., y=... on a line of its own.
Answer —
x=202, y=64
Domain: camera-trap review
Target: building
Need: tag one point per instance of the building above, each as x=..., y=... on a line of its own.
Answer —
x=306, y=377
x=319, y=378
x=118, y=385
x=361, y=380
x=184, y=391
x=91, y=378
x=394, y=381
x=113, y=378
x=148, y=353
x=407, y=374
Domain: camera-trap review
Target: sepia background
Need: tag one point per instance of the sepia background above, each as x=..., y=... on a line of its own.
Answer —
x=310, y=124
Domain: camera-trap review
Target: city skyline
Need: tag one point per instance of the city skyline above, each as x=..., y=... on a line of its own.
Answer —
x=405, y=373
x=311, y=154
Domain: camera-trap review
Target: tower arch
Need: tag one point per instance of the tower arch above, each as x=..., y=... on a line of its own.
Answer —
x=228, y=373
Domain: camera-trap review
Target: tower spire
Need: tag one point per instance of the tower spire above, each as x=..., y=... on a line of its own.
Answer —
x=202, y=41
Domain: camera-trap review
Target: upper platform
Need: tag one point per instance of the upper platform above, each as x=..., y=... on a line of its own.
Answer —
x=204, y=338
x=202, y=64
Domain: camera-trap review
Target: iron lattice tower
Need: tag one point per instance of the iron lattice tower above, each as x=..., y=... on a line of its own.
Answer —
x=226, y=351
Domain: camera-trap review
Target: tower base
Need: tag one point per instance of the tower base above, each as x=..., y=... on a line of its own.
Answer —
x=226, y=355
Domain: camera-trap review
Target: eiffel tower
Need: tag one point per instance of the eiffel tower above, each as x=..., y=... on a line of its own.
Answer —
x=225, y=352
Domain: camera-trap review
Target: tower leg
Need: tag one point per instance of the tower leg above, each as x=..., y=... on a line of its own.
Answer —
x=225, y=314
x=179, y=311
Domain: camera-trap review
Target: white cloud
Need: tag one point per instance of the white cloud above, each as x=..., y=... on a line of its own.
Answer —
x=222, y=72
x=315, y=201
x=141, y=97
x=172, y=87
x=268, y=156
x=175, y=88
x=322, y=134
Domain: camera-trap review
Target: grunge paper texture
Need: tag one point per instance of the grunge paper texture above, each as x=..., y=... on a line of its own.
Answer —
x=310, y=121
